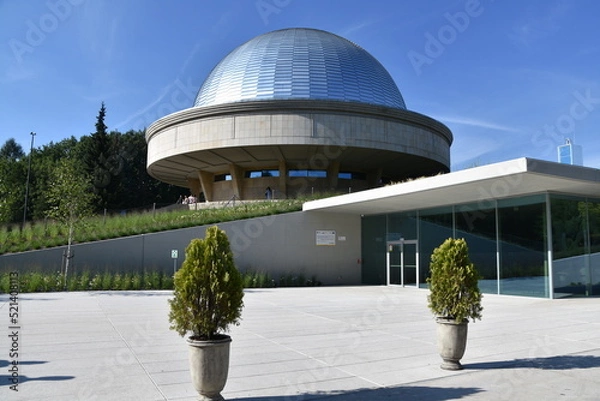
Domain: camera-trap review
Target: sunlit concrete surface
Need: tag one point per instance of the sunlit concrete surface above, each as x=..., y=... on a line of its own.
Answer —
x=334, y=343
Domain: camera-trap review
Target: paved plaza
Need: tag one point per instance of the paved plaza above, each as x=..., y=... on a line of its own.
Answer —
x=324, y=343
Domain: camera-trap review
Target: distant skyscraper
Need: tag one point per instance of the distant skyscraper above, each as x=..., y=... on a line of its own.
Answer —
x=569, y=153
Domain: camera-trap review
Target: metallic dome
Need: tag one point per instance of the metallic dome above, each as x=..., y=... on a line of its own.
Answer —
x=299, y=64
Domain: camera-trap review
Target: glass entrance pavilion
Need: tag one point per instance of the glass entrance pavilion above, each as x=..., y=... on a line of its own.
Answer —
x=533, y=227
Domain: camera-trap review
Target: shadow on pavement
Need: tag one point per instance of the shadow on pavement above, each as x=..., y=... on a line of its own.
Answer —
x=550, y=363
x=6, y=379
x=387, y=393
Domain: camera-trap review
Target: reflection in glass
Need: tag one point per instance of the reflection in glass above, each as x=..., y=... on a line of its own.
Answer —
x=522, y=228
x=373, y=250
x=478, y=227
x=435, y=226
x=569, y=242
x=594, y=226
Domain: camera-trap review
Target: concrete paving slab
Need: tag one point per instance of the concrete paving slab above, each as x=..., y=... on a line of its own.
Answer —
x=333, y=343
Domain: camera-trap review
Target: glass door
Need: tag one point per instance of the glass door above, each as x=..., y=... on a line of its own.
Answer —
x=402, y=263
x=394, y=263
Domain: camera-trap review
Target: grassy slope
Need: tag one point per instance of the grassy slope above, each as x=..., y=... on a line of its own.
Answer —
x=46, y=234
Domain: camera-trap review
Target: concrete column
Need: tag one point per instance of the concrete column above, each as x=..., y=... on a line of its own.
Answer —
x=195, y=186
x=283, y=172
x=333, y=172
x=207, y=181
x=374, y=178
x=237, y=178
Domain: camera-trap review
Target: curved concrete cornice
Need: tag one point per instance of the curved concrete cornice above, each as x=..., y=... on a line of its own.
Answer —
x=304, y=106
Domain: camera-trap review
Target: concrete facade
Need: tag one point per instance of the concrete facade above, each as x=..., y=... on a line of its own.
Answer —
x=278, y=245
x=198, y=147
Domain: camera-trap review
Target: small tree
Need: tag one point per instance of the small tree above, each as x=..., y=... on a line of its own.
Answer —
x=208, y=288
x=70, y=200
x=454, y=290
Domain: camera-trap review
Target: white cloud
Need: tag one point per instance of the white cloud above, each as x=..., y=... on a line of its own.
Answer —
x=348, y=31
x=140, y=113
x=540, y=25
x=472, y=122
x=189, y=58
x=16, y=73
x=466, y=150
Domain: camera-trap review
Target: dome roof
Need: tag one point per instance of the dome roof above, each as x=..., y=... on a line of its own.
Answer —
x=299, y=64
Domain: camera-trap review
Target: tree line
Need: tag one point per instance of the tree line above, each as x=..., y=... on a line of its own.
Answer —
x=109, y=169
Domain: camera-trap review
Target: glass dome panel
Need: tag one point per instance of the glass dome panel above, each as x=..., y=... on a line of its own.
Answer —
x=299, y=63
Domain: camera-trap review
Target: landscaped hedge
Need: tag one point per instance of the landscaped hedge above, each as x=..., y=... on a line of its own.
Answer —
x=39, y=282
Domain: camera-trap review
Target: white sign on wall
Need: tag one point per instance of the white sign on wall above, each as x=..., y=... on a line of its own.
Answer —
x=325, y=237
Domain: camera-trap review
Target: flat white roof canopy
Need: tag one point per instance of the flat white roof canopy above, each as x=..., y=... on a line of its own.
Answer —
x=518, y=177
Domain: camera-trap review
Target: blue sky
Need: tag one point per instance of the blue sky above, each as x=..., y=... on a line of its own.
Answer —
x=509, y=78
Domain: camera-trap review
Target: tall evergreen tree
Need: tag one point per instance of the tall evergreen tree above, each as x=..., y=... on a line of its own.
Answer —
x=11, y=150
x=13, y=172
x=96, y=159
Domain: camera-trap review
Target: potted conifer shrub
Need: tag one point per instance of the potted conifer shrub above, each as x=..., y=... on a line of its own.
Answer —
x=454, y=299
x=208, y=299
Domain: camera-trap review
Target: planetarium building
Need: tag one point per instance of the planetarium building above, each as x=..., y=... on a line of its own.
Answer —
x=303, y=110
x=296, y=111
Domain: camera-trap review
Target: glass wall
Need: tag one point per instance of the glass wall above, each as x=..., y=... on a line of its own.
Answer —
x=478, y=227
x=522, y=244
x=373, y=243
x=435, y=226
x=508, y=242
x=594, y=227
x=571, y=246
x=401, y=225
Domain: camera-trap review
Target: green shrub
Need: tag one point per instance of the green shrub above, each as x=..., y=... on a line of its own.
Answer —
x=154, y=281
x=84, y=282
x=136, y=281
x=73, y=282
x=96, y=282
x=208, y=288
x=116, y=281
x=166, y=282
x=34, y=283
x=5, y=283
x=454, y=291
x=106, y=281
x=50, y=282
x=126, y=282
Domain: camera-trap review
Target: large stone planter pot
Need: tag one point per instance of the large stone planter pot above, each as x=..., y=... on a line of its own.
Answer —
x=452, y=341
x=209, y=366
